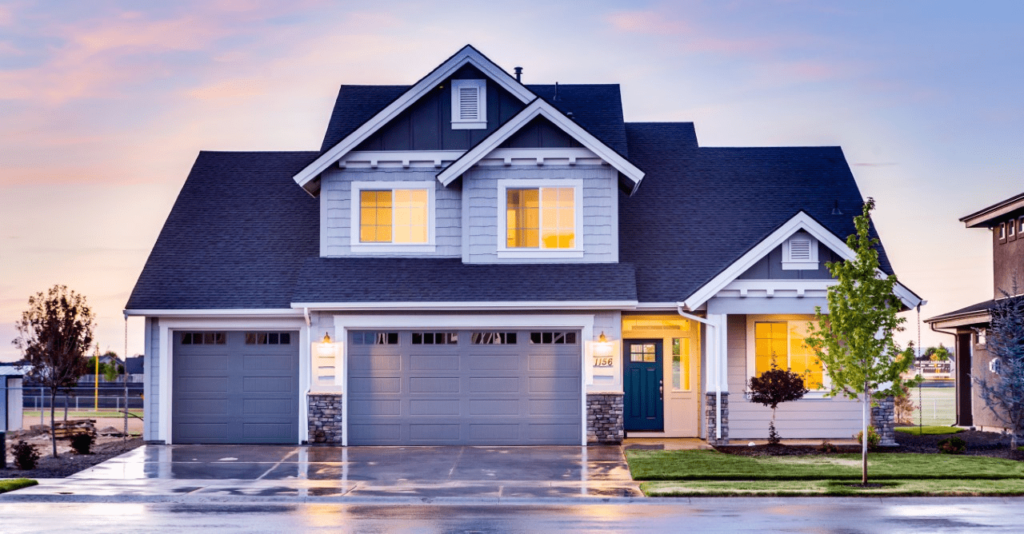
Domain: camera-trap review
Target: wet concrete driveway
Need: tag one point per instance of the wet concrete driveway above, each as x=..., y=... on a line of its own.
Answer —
x=487, y=474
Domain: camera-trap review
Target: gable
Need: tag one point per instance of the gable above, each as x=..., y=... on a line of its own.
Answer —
x=427, y=125
x=540, y=133
x=770, y=267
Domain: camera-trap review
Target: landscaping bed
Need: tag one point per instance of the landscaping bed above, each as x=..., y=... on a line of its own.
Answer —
x=795, y=488
x=67, y=462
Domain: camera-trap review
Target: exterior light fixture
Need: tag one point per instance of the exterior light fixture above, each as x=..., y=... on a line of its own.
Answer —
x=325, y=348
x=603, y=348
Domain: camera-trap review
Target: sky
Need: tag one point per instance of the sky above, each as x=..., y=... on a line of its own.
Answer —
x=104, y=106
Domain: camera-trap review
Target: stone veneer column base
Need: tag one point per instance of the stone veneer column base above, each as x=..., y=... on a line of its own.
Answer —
x=710, y=414
x=883, y=418
x=604, y=418
x=325, y=418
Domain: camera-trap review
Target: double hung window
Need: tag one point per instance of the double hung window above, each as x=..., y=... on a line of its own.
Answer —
x=391, y=214
x=781, y=343
x=541, y=216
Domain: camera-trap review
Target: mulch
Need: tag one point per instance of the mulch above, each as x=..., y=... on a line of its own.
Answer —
x=67, y=464
x=989, y=444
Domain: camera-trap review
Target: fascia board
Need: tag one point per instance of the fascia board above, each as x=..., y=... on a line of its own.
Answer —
x=539, y=108
x=983, y=216
x=467, y=55
x=800, y=221
x=498, y=305
x=260, y=312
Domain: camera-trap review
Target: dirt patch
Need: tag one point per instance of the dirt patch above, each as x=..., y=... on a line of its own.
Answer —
x=780, y=450
x=67, y=462
x=991, y=444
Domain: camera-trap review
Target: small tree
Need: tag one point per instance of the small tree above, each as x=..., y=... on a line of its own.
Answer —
x=53, y=334
x=774, y=387
x=855, y=339
x=1003, y=391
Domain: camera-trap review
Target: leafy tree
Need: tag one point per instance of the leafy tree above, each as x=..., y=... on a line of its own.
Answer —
x=774, y=387
x=1003, y=391
x=53, y=334
x=855, y=339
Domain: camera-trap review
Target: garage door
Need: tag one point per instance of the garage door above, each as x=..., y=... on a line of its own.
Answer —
x=235, y=387
x=464, y=387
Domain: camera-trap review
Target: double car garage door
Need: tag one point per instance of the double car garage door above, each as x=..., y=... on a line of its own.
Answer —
x=515, y=387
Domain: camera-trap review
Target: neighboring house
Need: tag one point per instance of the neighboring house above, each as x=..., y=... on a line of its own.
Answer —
x=11, y=405
x=1005, y=220
x=474, y=260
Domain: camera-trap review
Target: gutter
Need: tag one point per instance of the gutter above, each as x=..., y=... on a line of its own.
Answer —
x=718, y=365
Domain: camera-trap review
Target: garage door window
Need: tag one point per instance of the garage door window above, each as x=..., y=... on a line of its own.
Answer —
x=375, y=338
x=203, y=338
x=435, y=338
x=552, y=338
x=268, y=338
x=494, y=338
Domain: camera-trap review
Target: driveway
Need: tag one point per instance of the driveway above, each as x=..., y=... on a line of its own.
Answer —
x=488, y=474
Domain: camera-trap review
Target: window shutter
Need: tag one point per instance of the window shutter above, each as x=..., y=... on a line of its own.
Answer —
x=469, y=104
x=800, y=250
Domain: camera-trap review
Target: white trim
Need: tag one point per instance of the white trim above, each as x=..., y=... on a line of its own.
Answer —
x=537, y=157
x=749, y=288
x=584, y=322
x=359, y=247
x=372, y=159
x=197, y=313
x=800, y=221
x=167, y=328
x=536, y=253
x=751, y=360
x=800, y=264
x=480, y=122
x=467, y=56
x=470, y=305
x=540, y=108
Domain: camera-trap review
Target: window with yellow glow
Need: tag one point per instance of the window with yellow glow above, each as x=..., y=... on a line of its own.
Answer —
x=782, y=343
x=393, y=216
x=681, y=364
x=543, y=217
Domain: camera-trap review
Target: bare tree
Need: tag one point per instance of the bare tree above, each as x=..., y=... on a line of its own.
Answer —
x=54, y=334
x=1003, y=391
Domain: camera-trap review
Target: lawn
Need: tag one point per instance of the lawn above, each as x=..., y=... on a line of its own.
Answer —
x=12, y=484
x=712, y=465
x=890, y=488
x=929, y=430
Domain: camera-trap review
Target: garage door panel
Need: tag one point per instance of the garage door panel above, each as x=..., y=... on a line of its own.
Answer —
x=377, y=362
x=465, y=393
x=209, y=432
x=266, y=362
x=202, y=384
x=204, y=362
x=266, y=384
x=268, y=407
x=266, y=431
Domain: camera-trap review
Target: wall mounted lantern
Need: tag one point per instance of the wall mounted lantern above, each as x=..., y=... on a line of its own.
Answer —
x=325, y=348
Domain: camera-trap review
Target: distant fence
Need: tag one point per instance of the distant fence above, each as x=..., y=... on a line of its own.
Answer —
x=937, y=405
x=110, y=398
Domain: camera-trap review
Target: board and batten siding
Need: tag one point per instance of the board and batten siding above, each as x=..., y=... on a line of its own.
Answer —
x=336, y=211
x=600, y=211
x=808, y=418
x=151, y=384
x=608, y=323
x=770, y=267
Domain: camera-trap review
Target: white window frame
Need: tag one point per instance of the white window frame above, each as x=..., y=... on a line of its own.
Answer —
x=480, y=123
x=790, y=264
x=1002, y=231
x=379, y=248
x=751, y=354
x=539, y=253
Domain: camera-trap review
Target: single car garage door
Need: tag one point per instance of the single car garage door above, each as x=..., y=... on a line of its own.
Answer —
x=464, y=387
x=235, y=387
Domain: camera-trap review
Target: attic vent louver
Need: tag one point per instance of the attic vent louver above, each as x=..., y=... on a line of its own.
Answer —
x=469, y=104
x=800, y=252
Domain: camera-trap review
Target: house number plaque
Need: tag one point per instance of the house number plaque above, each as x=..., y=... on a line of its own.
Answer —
x=603, y=362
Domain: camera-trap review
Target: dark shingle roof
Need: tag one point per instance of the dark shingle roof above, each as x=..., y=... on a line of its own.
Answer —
x=598, y=108
x=985, y=306
x=235, y=238
x=699, y=209
x=449, y=280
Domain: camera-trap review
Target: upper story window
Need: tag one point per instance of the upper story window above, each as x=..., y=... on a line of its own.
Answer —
x=469, y=104
x=540, y=217
x=1002, y=231
x=392, y=216
x=800, y=252
x=1012, y=226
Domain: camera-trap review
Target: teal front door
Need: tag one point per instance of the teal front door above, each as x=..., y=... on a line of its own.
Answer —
x=644, y=386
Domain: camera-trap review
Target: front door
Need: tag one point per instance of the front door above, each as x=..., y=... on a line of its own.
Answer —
x=644, y=385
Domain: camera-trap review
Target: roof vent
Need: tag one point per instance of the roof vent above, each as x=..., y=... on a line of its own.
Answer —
x=469, y=104
x=836, y=210
x=800, y=253
x=519, y=74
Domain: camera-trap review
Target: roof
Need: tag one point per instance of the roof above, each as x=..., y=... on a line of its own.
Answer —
x=709, y=206
x=12, y=370
x=449, y=280
x=974, y=309
x=986, y=216
x=598, y=108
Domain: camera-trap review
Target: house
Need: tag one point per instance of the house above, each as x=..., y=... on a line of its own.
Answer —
x=11, y=404
x=1005, y=221
x=475, y=260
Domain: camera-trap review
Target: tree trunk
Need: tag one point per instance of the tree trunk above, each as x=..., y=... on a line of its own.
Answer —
x=65, y=409
x=53, y=420
x=864, y=438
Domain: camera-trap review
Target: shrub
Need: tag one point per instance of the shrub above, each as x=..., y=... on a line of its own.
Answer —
x=774, y=387
x=873, y=438
x=953, y=445
x=25, y=456
x=828, y=448
x=82, y=443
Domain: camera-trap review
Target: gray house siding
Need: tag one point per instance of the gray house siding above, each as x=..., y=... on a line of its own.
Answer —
x=600, y=211
x=151, y=386
x=336, y=206
x=770, y=267
x=817, y=418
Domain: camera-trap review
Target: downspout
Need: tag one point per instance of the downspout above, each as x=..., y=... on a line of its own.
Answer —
x=718, y=373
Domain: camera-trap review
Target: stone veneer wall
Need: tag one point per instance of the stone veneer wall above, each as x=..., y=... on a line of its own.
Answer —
x=325, y=418
x=710, y=414
x=604, y=418
x=883, y=418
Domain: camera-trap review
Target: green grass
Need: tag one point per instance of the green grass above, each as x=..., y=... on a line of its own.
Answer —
x=955, y=487
x=32, y=415
x=12, y=484
x=929, y=430
x=713, y=465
